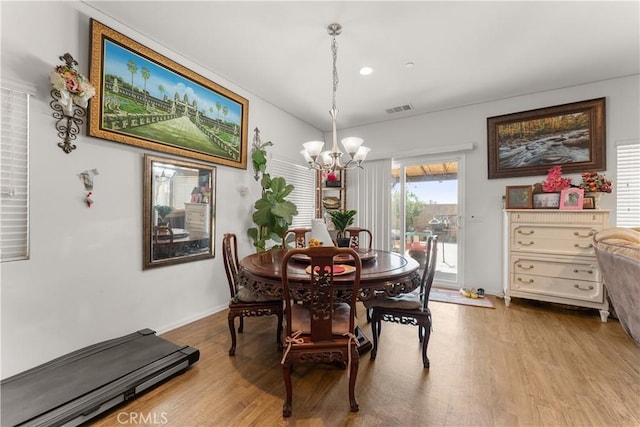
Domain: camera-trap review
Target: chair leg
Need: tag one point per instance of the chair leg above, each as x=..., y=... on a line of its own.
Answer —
x=279, y=333
x=286, y=374
x=353, y=373
x=368, y=311
x=241, y=327
x=232, y=330
x=425, y=343
x=375, y=331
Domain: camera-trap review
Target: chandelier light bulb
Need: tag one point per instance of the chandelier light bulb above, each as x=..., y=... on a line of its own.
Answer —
x=361, y=154
x=313, y=148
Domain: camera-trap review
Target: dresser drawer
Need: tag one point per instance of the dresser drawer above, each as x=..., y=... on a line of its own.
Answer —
x=595, y=218
x=572, y=268
x=196, y=217
x=557, y=246
x=580, y=290
x=541, y=231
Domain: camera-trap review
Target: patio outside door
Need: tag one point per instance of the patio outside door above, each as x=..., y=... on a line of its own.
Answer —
x=426, y=202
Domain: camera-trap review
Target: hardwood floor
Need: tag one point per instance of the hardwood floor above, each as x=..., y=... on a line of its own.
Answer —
x=531, y=364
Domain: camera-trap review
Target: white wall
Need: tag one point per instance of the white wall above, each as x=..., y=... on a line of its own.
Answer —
x=84, y=281
x=483, y=196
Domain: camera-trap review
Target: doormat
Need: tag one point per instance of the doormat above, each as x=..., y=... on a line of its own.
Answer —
x=454, y=297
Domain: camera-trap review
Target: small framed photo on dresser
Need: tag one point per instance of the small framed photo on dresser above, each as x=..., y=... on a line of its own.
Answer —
x=588, y=202
x=571, y=198
x=519, y=197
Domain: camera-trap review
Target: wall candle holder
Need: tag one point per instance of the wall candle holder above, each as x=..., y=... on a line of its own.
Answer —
x=71, y=92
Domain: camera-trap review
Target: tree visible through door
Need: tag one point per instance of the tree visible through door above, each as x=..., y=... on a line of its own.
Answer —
x=425, y=203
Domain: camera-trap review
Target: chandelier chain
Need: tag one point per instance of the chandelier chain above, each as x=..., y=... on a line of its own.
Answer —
x=334, y=50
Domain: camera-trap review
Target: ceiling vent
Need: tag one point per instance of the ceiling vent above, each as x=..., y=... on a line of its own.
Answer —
x=399, y=109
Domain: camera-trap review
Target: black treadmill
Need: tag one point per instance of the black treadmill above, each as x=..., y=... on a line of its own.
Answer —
x=78, y=386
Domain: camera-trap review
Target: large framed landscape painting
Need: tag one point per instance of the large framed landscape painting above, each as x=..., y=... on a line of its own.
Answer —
x=531, y=142
x=148, y=100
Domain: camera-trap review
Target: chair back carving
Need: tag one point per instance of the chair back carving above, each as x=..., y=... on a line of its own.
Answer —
x=230, y=258
x=320, y=293
x=429, y=270
x=355, y=235
x=299, y=237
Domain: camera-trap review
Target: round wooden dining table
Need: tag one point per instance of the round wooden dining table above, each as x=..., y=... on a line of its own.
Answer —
x=384, y=273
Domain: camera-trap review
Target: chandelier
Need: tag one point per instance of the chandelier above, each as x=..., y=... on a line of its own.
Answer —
x=330, y=160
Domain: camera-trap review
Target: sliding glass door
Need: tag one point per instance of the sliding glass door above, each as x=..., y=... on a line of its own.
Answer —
x=426, y=201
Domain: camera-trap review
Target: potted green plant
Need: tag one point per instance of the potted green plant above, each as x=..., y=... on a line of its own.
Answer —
x=273, y=213
x=341, y=221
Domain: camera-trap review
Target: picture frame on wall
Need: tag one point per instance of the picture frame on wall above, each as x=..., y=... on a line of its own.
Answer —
x=571, y=198
x=148, y=100
x=529, y=143
x=518, y=197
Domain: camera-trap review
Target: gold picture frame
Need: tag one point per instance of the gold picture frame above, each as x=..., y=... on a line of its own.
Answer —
x=519, y=197
x=179, y=208
x=148, y=100
x=529, y=143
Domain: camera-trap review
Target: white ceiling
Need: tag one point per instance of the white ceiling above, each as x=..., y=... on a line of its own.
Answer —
x=464, y=52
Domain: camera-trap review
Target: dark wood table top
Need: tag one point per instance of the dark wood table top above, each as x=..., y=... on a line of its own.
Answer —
x=383, y=273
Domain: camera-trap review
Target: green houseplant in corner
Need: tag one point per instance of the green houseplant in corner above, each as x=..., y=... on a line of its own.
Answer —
x=341, y=221
x=273, y=213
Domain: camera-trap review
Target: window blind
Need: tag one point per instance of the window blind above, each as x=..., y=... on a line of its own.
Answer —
x=628, y=184
x=303, y=194
x=14, y=175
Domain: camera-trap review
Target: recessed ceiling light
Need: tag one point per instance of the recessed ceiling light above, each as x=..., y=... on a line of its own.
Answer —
x=365, y=71
x=409, y=64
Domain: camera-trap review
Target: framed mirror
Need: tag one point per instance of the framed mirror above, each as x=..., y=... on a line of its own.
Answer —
x=179, y=211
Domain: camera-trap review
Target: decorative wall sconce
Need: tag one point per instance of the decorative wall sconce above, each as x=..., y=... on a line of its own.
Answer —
x=71, y=92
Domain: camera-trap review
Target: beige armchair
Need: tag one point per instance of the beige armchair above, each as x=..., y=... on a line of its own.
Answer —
x=618, y=253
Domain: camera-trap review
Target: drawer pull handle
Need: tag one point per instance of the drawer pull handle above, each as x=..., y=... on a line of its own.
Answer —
x=526, y=233
x=577, y=233
x=577, y=245
x=525, y=244
x=576, y=270
x=526, y=281
x=588, y=288
x=529, y=267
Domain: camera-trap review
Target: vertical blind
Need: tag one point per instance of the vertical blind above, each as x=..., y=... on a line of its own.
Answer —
x=14, y=176
x=369, y=192
x=628, y=184
x=303, y=195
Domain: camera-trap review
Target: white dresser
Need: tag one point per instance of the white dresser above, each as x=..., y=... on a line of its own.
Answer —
x=548, y=256
x=196, y=220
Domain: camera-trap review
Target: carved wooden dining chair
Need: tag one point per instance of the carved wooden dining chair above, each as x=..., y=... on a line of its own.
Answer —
x=355, y=235
x=321, y=328
x=162, y=240
x=299, y=237
x=408, y=309
x=244, y=302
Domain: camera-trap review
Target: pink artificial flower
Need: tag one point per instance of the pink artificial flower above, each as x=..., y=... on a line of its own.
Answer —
x=555, y=182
